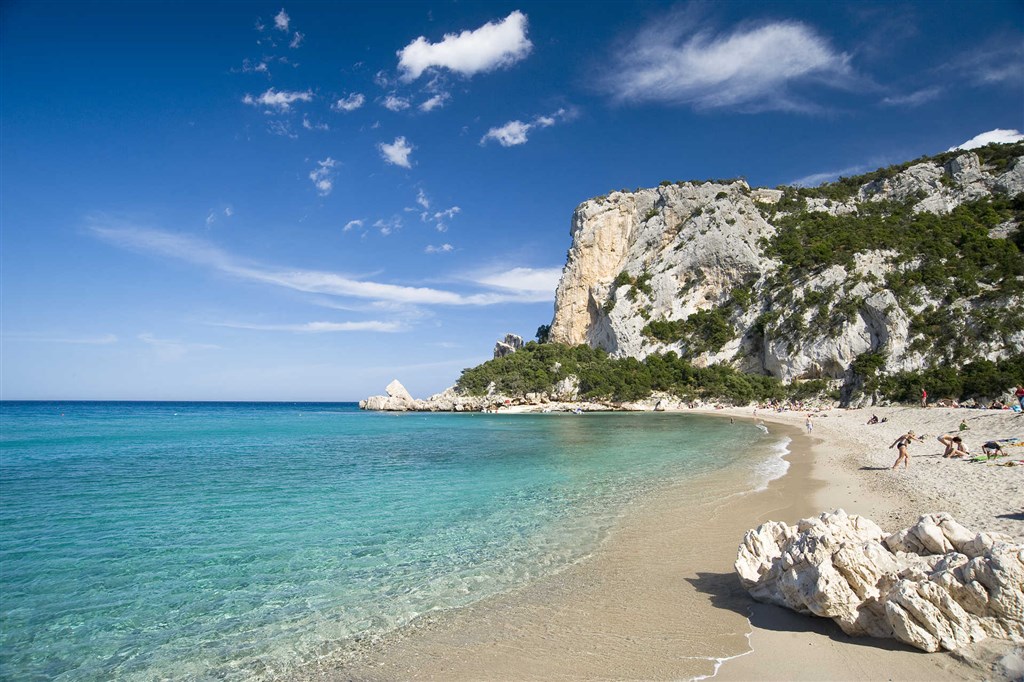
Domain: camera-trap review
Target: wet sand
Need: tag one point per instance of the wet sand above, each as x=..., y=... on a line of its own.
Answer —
x=659, y=600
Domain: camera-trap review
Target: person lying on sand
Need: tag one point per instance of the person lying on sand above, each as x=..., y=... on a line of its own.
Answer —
x=901, y=445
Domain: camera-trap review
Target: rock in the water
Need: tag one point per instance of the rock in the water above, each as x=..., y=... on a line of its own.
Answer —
x=935, y=585
x=396, y=390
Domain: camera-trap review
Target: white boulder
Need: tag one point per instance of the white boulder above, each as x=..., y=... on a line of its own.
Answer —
x=935, y=585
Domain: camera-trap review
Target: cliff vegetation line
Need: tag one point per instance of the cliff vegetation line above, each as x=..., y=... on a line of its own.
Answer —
x=872, y=286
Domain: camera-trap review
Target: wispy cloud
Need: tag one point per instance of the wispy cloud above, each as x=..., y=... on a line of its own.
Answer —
x=309, y=125
x=815, y=179
x=435, y=102
x=997, y=62
x=352, y=225
x=172, y=349
x=296, y=40
x=999, y=135
x=516, y=132
x=751, y=68
x=914, y=99
x=323, y=176
x=317, y=327
x=524, y=280
x=389, y=225
x=281, y=100
x=492, y=46
x=443, y=248
x=521, y=285
x=101, y=340
x=397, y=153
x=350, y=103
x=395, y=103
x=282, y=20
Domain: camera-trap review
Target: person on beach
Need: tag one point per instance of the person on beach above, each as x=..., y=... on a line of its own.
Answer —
x=1019, y=395
x=901, y=445
x=954, y=446
x=810, y=424
x=963, y=425
x=873, y=420
x=992, y=449
x=924, y=397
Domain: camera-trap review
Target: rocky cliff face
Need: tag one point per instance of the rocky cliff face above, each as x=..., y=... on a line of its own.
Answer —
x=689, y=267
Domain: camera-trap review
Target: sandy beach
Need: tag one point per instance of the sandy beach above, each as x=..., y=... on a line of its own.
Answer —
x=660, y=599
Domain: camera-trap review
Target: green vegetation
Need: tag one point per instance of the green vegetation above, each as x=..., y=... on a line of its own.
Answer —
x=947, y=258
x=978, y=380
x=705, y=331
x=996, y=157
x=650, y=214
x=543, y=333
x=537, y=367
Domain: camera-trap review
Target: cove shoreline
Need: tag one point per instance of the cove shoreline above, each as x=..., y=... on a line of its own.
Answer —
x=627, y=611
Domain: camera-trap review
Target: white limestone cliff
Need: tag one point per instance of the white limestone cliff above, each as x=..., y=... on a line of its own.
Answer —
x=693, y=245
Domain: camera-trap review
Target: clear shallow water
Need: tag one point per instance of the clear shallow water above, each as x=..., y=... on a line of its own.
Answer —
x=240, y=540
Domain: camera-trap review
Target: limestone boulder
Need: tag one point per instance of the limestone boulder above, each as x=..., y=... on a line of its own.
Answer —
x=935, y=585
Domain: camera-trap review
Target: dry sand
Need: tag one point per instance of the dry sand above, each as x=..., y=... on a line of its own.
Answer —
x=660, y=600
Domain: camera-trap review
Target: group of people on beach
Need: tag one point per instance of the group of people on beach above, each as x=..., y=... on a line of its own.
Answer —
x=955, y=448
x=1017, y=404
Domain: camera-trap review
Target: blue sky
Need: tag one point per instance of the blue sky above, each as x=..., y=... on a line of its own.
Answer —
x=252, y=201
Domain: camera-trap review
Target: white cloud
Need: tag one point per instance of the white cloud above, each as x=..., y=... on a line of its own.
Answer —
x=914, y=99
x=422, y=199
x=435, y=102
x=279, y=99
x=296, y=40
x=386, y=227
x=815, y=179
x=167, y=349
x=211, y=219
x=323, y=176
x=753, y=68
x=309, y=125
x=492, y=46
x=521, y=285
x=228, y=211
x=282, y=129
x=318, y=327
x=350, y=103
x=250, y=67
x=103, y=340
x=395, y=103
x=509, y=135
x=515, y=132
x=397, y=153
x=281, y=21
x=444, y=248
x=525, y=280
x=352, y=224
x=999, y=135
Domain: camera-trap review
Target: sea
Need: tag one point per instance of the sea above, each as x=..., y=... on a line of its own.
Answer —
x=238, y=541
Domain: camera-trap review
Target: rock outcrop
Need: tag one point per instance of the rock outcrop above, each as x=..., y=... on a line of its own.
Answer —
x=665, y=253
x=510, y=344
x=935, y=585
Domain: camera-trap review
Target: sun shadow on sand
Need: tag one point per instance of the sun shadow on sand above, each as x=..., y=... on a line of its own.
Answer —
x=726, y=592
x=1018, y=516
x=874, y=468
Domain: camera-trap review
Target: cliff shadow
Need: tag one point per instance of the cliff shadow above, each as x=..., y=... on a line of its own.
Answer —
x=726, y=592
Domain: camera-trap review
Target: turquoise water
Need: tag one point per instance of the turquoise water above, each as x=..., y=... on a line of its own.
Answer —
x=244, y=540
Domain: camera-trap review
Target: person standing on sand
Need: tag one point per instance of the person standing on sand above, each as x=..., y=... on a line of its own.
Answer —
x=924, y=397
x=1019, y=395
x=901, y=445
x=810, y=425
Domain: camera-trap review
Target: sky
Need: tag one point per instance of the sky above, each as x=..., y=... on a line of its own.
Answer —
x=304, y=201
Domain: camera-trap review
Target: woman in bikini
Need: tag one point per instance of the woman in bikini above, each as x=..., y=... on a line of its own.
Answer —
x=901, y=444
